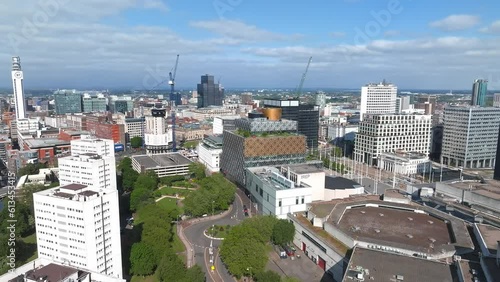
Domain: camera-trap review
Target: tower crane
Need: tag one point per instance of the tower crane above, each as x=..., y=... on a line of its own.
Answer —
x=299, y=89
x=173, y=99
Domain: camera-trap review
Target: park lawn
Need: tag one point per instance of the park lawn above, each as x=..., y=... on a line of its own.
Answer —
x=218, y=233
x=190, y=144
x=172, y=191
x=183, y=183
x=170, y=204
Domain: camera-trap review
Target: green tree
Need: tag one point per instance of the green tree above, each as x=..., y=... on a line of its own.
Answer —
x=168, y=180
x=243, y=252
x=197, y=170
x=140, y=259
x=336, y=152
x=146, y=181
x=128, y=174
x=136, y=142
x=158, y=236
x=30, y=169
x=267, y=276
x=195, y=274
x=27, y=194
x=283, y=232
x=140, y=197
x=171, y=268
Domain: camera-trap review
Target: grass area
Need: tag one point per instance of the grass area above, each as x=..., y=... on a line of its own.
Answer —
x=183, y=183
x=177, y=244
x=219, y=231
x=190, y=144
x=30, y=253
x=170, y=204
x=172, y=191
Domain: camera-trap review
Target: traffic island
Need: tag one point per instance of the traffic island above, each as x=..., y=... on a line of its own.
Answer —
x=217, y=232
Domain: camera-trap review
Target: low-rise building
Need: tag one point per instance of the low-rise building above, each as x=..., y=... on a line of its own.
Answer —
x=46, y=270
x=404, y=163
x=224, y=123
x=209, y=151
x=162, y=164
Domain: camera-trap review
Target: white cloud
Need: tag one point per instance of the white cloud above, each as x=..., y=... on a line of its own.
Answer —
x=456, y=22
x=240, y=31
x=494, y=27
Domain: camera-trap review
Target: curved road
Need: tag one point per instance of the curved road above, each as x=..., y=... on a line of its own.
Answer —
x=201, y=244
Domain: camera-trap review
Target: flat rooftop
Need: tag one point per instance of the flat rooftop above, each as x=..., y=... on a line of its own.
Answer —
x=51, y=273
x=420, y=231
x=406, y=155
x=324, y=208
x=490, y=189
x=334, y=183
x=162, y=160
x=491, y=235
x=380, y=266
x=306, y=168
x=45, y=142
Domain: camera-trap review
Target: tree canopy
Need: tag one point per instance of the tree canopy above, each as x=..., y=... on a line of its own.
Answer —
x=136, y=142
x=283, y=232
x=267, y=276
x=197, y=170
x=215, y=194
x=140, y=259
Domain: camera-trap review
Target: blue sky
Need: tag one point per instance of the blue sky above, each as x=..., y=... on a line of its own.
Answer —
x=252, y=43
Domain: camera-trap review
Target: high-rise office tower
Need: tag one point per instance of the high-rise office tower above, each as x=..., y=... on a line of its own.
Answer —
x=68, y=103
x=17, y=84
x=157, y=136
x=209, y=93
x=378, y=98
x=479, y=90
x=91, y=145
x=470, y=136
x=307, y=117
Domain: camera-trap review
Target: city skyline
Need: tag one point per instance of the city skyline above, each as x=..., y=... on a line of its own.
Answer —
x=133, y=44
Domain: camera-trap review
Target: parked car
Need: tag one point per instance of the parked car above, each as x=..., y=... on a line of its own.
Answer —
x=289, y=251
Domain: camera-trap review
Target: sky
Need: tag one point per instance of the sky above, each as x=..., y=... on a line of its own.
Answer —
x=424, y=44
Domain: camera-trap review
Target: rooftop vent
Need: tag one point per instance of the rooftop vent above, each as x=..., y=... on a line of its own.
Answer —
x=409, y=236
x=430, y=222
x=355, y=228
x=377, y=230
x=363, y=212
x=381, y=214
x=400, y=277
x=410, y=218
x=432, y=239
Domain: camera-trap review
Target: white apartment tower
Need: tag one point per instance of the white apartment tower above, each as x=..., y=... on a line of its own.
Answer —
x=89, y=144
x=92, y=163
x=79, y=226
x=378, y=98
x=392, y=133
x=17, y=84
x=470, y=136
x=157, y=136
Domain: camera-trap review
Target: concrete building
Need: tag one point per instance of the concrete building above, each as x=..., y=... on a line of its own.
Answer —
x=378, y=99
x=48, y=271
x=427, y=103
x=340, y=188
x=27, y=125
x=496, y=100
x=134, y=127
x=162, y=164
x=402, y=104
x=329, y=230
x=404, y=163
x=189, y=134
x=479, y=91
x=376, y=265
x=18, y=88
x=157, y=137
x=260, y=142
x=77, y=122
x=283, y=190
x=246, y=98
x=209, y=92
x=320, y=99
x=80, y=226
x=379, y=134
x=470, y=136
x=224, y=123
x=339, y=132
x=209, y=151
x=88, y=169
x=91, y=145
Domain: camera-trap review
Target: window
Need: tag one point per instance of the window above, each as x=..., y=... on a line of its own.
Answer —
x=302, y=200
x=261, y=192
x=279, y=203
x=297, y=200
x=268, y=197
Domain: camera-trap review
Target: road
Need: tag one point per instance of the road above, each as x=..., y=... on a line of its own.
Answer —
x=201, y=244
